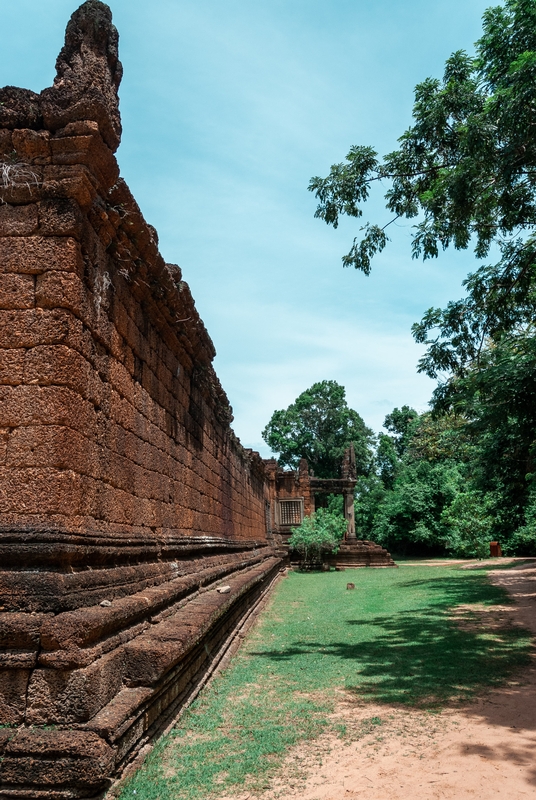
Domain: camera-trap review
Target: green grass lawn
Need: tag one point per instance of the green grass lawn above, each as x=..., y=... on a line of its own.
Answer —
x=390, y=640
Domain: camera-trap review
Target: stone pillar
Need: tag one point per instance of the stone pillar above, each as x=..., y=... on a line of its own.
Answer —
x=349, y=513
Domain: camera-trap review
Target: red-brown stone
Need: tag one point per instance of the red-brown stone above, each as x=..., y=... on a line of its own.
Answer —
x=125, y=498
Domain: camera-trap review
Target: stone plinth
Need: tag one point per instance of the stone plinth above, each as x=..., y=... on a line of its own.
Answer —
x=361, y=553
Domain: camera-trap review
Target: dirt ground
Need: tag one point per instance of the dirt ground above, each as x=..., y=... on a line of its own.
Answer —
x=485, y=750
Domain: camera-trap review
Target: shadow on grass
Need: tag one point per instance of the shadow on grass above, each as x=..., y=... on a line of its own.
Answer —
x=391, y=641
x=453, y=590
x=420, y=657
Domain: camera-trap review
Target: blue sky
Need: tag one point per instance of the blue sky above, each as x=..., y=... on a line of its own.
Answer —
x=229, y=107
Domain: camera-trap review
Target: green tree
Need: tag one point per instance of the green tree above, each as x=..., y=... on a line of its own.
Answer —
x=497, y=398
x=409, y=519
x=465, y=171
x=523, y=540
x=319, y=426
x=370, y=492
x=319, y=534
x=401, y=423
x=421, y=497
x=469, y=525
x=387, y=460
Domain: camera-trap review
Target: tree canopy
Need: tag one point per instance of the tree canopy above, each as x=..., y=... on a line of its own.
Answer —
x=319, y=426
x=465, y=171
x=422, y=495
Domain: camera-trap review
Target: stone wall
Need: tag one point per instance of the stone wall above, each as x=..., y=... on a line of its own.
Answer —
x=126, y=501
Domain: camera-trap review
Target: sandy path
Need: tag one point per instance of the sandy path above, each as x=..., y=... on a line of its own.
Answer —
x=485, y=750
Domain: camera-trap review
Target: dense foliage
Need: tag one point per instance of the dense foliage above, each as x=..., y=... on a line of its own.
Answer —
x=319, y=534
x=439, y=487
x=465, y=171
x=319, y=426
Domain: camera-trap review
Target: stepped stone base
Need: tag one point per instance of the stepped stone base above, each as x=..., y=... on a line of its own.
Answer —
x=86, y=688
x=361, y=553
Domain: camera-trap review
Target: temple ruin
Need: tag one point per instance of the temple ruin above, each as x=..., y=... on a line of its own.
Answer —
x=293, y=495
x=126, y=500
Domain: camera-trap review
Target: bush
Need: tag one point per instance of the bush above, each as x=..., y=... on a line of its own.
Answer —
x=522, y=543
x=318, y=534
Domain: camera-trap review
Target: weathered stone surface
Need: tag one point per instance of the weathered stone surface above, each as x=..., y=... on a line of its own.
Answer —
x=32, y=146
x=361, y=553
x=38, y=254
x=125, y=498
x=154, y=652
x=56, y=759
x=88, y=75
x=13, y=688
x=19, y=108
x=300, y=488
x=18, y=220
x=17, y=291
x=58, y=696
x=60, y=218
